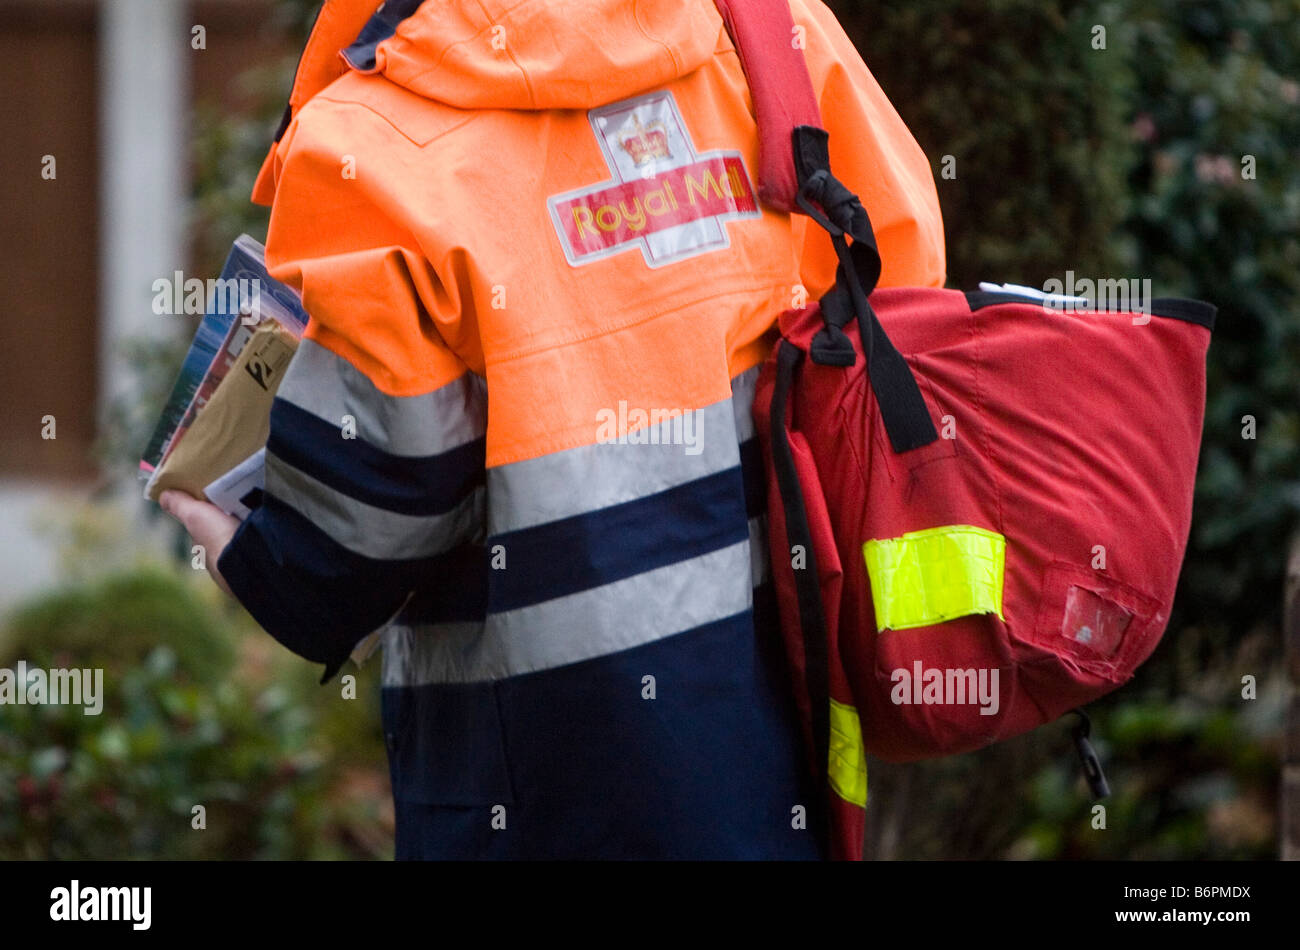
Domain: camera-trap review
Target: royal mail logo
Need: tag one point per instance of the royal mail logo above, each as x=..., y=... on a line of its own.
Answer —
x=646, y=144
x=663, y=196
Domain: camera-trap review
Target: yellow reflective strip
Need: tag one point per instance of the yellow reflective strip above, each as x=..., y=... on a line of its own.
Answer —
x=934, y=575
x=846, y=765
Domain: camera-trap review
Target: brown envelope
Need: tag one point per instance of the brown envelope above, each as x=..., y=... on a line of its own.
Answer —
x=235, y=422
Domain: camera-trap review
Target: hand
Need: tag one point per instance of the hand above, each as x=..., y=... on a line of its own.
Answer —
x=207, y=524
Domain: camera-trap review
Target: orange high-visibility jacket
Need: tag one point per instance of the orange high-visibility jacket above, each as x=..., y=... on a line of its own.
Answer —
x=517, y=433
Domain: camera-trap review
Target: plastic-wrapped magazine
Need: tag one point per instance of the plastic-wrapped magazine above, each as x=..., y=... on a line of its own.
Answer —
x=245, y=304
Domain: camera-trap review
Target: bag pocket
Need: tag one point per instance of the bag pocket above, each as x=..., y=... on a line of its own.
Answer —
x=1095, y=623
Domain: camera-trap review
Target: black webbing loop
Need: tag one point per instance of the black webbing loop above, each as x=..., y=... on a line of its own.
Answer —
x=832, y=347
x=828, y=202
x=1088, y=759
x=858, y=264
x=825, y=199
x=812, y=617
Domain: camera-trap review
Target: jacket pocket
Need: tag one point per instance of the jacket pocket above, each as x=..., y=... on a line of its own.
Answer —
x=445, y=744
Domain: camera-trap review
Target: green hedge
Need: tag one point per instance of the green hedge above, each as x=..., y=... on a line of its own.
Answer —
x=200, y=709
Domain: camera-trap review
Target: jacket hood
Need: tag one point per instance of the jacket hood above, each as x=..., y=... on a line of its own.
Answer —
x=504, y=54
x=546, y=54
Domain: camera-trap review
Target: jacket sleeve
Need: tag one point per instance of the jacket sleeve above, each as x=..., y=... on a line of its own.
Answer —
x=874, y=155
x=374, y=465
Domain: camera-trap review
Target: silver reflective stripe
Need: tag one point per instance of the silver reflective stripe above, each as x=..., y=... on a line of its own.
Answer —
x=593, y=623
x=365, y=529
x=590, y=477
x=436, y=653
x=742, y=402
x=618, y=616
x=330, y=387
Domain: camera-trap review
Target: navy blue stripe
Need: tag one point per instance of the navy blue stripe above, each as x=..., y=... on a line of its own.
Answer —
x=592, y=785
x=409, y=485
x=455, y=592
x=312, y=594
x=304, y=546
x=599, y=547
x=755, y=474
x=767, y=614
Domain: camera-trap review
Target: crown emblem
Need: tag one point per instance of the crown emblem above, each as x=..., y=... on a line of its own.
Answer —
x=647, y=143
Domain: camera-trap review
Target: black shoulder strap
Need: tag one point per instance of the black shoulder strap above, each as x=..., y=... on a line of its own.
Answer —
x=786, y=110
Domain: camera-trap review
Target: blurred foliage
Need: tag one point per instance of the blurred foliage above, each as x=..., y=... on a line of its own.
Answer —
x=1128, y=162
x=226, y=152
x=1125, y=161
x=199, y=708
x=202, y=707
x=1013, y=91
x=1218, y=96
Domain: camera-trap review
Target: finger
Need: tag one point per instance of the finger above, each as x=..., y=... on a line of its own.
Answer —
x=181, y=506
x=208, y=525
x=205, y=522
